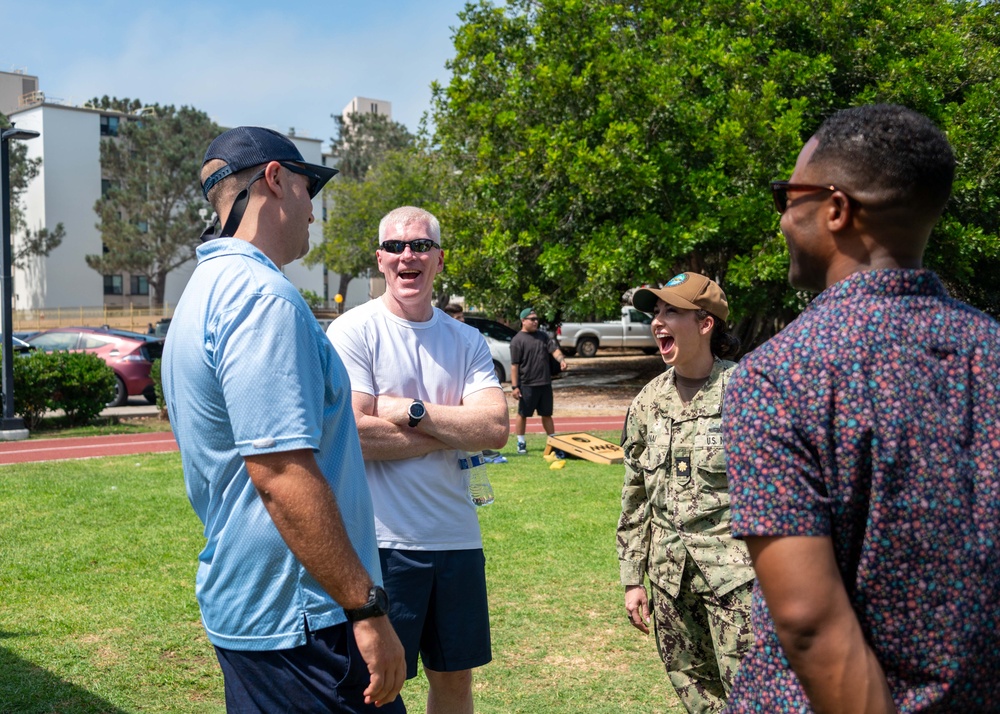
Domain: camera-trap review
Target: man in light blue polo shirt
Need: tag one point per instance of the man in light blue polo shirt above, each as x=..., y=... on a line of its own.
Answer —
x=289, y=582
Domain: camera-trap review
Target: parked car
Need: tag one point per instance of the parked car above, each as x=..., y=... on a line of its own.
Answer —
x=491, y=328
x=498, y=337
x=129, y=354
x=161, y=327
x=20, y=346
x=631, y=330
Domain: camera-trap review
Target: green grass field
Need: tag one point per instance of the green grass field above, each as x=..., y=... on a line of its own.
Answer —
x=98, y=611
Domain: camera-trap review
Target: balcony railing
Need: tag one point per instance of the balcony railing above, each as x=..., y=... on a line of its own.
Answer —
x=30, y=99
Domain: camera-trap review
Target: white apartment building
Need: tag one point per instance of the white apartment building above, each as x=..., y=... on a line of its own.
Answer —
x=366, y=105
x=68, y=185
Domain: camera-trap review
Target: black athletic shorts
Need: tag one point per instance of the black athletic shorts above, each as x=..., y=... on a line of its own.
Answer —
x=535, y=399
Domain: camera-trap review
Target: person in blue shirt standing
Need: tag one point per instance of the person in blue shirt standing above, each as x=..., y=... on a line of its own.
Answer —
x=289, y=582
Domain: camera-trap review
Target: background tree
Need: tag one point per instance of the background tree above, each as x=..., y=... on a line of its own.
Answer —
x=363, y=139
x=25, y=241
x=149, y=216
x=406, y=177
x=123, y=105
x=380, y=168
x=602, y=145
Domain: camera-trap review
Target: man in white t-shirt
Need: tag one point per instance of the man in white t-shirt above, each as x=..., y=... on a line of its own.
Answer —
x=424, y=394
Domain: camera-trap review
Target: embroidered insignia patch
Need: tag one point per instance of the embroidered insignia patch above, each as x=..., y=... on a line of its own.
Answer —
x=677, y=280
x=682, y=469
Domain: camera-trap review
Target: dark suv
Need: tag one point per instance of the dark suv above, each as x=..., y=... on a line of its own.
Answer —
x=491, y=328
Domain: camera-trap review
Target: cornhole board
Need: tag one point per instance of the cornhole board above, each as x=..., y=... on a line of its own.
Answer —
x=586, y=447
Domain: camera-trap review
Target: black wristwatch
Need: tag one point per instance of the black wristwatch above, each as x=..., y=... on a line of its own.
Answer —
x=416, y=412
x=378, y=604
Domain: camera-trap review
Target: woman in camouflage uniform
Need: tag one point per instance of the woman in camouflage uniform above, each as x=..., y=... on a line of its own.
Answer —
x=674, y=526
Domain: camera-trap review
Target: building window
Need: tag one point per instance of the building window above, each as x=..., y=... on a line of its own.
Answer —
x=112, y=284
x=139, y=285
x=374, y=108
x=109, y=126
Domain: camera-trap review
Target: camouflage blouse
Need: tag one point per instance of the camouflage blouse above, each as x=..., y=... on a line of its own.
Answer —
x=675, y=499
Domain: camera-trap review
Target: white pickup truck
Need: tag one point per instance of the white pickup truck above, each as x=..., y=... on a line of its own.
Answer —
x=632, y=330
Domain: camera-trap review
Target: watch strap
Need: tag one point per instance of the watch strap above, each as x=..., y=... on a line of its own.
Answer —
x=377, y=605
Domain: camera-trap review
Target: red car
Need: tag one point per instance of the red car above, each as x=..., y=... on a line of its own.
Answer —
x=129, y=354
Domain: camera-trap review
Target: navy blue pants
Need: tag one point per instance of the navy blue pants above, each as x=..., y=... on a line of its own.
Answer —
x=327, y=674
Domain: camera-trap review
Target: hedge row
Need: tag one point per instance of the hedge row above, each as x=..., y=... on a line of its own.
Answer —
x=79, y=383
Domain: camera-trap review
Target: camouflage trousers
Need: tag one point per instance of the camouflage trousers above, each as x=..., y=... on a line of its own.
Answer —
x=701, y=638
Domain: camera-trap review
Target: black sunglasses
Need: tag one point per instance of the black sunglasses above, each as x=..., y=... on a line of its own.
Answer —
x=780, y=189
x=315, y=180
x=421, y=245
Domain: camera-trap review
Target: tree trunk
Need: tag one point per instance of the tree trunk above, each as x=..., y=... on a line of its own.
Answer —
x=158, y=288
x=342, y=291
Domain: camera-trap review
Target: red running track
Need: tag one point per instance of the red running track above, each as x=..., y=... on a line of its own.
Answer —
x=19, y=452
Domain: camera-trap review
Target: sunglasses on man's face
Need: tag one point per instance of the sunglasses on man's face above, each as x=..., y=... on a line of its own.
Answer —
x=780, y=189
x=421, y=245
x=315, y=180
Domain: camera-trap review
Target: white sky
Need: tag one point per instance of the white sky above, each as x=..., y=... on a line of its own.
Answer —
x=275, y=64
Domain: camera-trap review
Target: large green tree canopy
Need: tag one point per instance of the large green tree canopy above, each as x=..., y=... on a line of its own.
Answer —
x=150, y=215
x=600, y=144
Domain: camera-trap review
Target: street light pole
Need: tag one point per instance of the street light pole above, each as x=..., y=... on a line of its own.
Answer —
x=11, y=427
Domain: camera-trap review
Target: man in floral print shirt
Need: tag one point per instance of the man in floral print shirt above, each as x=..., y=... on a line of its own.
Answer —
x=863, y=446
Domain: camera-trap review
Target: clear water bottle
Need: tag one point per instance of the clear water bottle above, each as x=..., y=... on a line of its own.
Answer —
x=480, y=490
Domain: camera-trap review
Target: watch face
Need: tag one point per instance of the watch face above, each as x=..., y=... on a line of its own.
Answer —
x=417, y=410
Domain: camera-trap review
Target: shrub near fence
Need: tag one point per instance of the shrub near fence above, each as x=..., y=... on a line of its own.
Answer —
x=88, y=384
x=36, y=377
x=156, y=374
x=79, y=383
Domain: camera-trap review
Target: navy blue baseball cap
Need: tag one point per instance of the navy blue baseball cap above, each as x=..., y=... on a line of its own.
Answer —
x=247, y=146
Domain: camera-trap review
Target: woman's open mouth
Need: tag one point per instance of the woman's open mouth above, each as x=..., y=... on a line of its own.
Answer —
x=666, y=343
